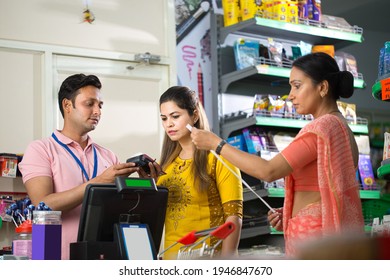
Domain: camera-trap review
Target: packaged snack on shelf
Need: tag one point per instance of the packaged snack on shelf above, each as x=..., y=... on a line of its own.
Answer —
x=363, y=143
x=386, y=146
x=276, y=106
x=349, y=61
x=340, y=62
x=246, y=53
x=276, y=51
x=231, y=12
x=366, y=172
x=316, y=12
x=253, y=141
x=305, y=47
x=251, y=8
x=283, y=139
x=329, y=49
x=289, y=110
x=351, y=113
x=280, y=10
x=292, y=11
x=337, y=23
x=260, y=105
x=285, y=10
x=296, y=52
x=238, y=142
x=268, y=10
x=348, y=110
x=303, y=8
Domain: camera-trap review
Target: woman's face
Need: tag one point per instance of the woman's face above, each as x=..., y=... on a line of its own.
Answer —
x=304, y=95
x=174, y=120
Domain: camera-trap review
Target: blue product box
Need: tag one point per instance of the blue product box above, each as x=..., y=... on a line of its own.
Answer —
x=238, y=142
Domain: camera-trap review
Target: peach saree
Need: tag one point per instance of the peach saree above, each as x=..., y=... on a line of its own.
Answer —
x=339, y=210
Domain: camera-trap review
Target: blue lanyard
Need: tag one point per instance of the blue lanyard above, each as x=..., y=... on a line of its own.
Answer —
x=95, y=162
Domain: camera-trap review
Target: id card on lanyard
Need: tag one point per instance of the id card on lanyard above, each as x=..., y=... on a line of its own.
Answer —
x=95, y=162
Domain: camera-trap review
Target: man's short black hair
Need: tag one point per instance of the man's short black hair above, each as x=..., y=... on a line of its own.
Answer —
x=71, y=85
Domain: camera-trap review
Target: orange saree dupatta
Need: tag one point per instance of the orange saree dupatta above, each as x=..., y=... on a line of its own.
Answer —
x=340, y=207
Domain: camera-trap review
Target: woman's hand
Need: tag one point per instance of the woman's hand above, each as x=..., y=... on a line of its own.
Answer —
x=204, y=140
x=276, y=219
x=155, y=171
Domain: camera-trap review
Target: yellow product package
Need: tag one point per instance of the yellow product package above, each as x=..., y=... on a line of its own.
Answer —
x=251, y=9
x=292, y=11
x=231, y=12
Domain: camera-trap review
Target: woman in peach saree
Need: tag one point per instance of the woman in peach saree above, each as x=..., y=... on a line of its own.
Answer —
x=319, y=166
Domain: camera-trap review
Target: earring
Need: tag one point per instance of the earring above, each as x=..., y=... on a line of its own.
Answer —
x=322, y=94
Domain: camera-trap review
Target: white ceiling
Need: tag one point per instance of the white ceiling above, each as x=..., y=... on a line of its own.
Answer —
x=369, y=14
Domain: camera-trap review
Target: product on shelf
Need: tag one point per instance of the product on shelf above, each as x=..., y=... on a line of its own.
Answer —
x=348, y=63
x=384, y=61
x=316, y=10
x=8, y=165
x=276, y=51
x=251, y=8
x=246, y=53
x=231, y=12
x=253, y=141
x=285, y=11
x=337, y=23
x=329, y=49
x=276, y=107
x=386, y=146
x=348, y=110
x=238, y=142
x=260, y=105
x=366, y=172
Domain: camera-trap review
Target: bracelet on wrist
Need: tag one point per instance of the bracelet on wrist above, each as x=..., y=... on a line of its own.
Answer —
x=219, y=147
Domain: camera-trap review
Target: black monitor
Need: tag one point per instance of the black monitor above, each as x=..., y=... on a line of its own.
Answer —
x=103, y=207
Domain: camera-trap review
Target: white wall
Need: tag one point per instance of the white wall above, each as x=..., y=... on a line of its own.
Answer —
x=127, y=26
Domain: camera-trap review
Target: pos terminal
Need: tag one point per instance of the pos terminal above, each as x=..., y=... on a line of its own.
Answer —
x=113, y=216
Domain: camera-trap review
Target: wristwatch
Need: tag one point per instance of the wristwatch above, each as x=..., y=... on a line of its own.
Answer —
x=219, y=147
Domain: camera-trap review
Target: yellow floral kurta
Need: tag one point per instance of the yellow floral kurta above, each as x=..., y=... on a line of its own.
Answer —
x=190, y=210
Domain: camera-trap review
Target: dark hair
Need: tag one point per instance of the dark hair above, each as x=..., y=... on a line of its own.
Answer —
x=186, y=99
x=70, y=86
x=322, y=67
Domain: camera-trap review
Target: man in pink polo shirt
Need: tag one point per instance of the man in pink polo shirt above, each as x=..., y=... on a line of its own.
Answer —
x=57, y=169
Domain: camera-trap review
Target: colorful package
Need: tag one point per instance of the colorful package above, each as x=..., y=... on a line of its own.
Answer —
x=366, y=172
x=246, y=53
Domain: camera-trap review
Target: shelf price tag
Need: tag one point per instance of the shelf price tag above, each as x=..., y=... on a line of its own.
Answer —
x=262, y=69
x=385, y=89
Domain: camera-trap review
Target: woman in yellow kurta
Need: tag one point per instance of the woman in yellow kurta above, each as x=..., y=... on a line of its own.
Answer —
x=202, y=192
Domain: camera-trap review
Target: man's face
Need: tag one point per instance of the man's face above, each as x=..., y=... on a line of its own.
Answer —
x=86, y=111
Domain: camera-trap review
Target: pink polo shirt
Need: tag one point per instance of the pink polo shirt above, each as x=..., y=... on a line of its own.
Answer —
x=48, y=158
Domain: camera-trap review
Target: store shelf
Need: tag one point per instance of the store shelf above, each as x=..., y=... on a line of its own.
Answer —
x=383, y=172
x=254, y=231
x=275, y=192
x=263, y=71
x=311, y=34
x=369, y=194
x=229, y=126
x=377, y=88
x=248, y=195
x=274, y=231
